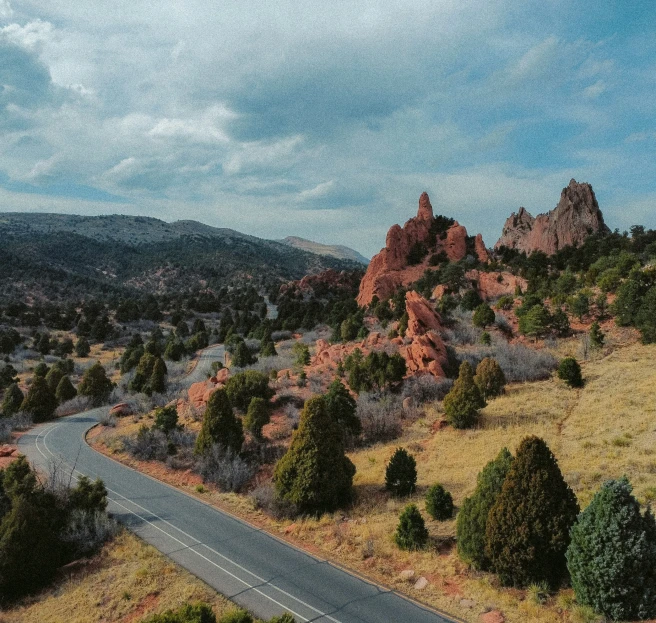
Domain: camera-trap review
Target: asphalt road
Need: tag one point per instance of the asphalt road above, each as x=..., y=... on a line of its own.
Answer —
x=242, y=562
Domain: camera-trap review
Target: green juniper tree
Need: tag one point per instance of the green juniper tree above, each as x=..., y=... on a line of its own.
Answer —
x=220, y=425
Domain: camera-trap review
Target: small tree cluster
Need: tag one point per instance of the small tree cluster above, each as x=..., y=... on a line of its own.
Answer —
x=96, y=385
x=150, y=375
x=242, y=387
x=377, y=370
x=220, y=426
x=463, y=402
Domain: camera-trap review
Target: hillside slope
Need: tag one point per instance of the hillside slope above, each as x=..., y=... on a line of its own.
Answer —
x=337, y=250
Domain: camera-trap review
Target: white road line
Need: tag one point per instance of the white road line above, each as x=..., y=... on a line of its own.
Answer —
x=50, y=429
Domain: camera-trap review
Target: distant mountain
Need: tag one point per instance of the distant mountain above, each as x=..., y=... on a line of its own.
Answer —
x=338, y=251
x=52, y=255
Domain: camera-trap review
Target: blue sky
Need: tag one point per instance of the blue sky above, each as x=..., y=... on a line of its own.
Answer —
x=327, y=120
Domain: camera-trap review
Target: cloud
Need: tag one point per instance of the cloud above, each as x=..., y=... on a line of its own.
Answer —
x=6, y=12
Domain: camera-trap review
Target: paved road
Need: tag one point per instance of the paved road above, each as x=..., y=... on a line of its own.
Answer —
x=204, y=363
x=247, y=565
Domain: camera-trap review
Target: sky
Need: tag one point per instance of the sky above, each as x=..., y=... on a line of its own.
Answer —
x=327, y=120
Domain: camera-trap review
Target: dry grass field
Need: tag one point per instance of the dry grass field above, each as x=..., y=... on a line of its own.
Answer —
x=125, y=582
x=605, y=430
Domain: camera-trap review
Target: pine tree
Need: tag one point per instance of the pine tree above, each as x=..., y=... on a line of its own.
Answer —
x=65, y=390
x=315, y=474
x=53, y=377
x=439, y=503
x=82, y=348
x=597, y=336
x=40, y=400
x=483, y=316
x=342, y=408
x=12, y=400
x=463, y=402
x=242, y=356
x=166, y=419
x=257, y=416
x=220, y=426
x=157, y=382
x=569, y=371
x=528, y=527
x=411, y=532
x=612, y=556
x=490, y=379
x=96, y=385
x=401, y=473
x=268, y=348
x=244, y=386
x=472, y=518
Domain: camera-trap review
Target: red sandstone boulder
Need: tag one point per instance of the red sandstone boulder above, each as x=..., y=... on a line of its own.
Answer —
x=456, y=242
x=121, y=409
x=425, y=354
x=421, y=316
x=576, y=216
x=480, y=249
x=6, y=451
x=494, y=616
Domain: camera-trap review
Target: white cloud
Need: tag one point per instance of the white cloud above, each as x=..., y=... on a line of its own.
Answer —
x=28, y=36
x=6, y=12
x=594, y=90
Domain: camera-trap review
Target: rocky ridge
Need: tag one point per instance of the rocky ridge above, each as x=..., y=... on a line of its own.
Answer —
x=576, y=217
x=392, y=268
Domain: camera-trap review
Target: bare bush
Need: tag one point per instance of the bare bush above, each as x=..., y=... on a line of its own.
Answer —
x=88, y=530
x=5, y=430
x=225, y=468
x=462, y=333
x=278, y=336
x=520, y=363
x=182, y=438
x=107, y=419
x=21, y=421
x=264, y=498
x=293, y=414
x=426, y=388
x=74, y=405
x=253, y=345
x=502, y=324
x=148, y=445
x=267, y=364
x=309, y=337
x=380, y=416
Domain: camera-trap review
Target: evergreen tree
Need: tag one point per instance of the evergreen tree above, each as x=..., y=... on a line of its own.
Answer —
x=401, y=473
x=645, y=319
x=96, y=385
x=535, y=322
x=612, y=556
x=439, y=503
x=528, y=527
x=315, y=474
x=560, y=322
x=472, y=518
x=342, y=407
x=490, y=379
x=411, y=532
x=157, y=382
x=12, y=401
x=569, y=371
x=244, y=386
x=65, y=390
x=41, y=369
x=220, y=426
x=166, y=419
x=268, y=348
x=579, y=305
x=40, y=400
x=257, y=416
x=464, y=401
x=242, y=356
x=483, y=316
x=596, y=335
x=175, y=350
x=82, y=347
x=55, y=374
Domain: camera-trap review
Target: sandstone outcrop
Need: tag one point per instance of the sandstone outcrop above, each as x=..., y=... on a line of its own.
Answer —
x=426, y=352
x=199, y=393
x=492, y=285
x=576, y=216
x=391, y=268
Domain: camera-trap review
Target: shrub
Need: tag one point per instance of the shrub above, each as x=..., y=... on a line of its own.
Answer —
x=342, y=408
x=411, y=533
x=166, y=419
x=96, y=385
x=527, y=530
x=505, y=302
x=597, y=336
x=426, y=388
x=380, y=416
x=439, y=503
x=401, y=473
x=189, y=613
x=244, y=386
x=147, y=445
x=315, y=474
x=483, y=316
x=225, y=468
x=645, y=319
x=535, y=322
x=40, y=400
x=490, y=379
x=470, y=300
x=569, y=371
x=220, y=426
x=521, y=363
x=302, y=353
x=472, y=518
x=463, y=402
x=257, y=416
x=12, y=400
x=612, y=556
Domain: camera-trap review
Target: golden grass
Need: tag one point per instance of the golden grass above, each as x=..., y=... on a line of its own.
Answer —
x=125, y=582
x=605, y=430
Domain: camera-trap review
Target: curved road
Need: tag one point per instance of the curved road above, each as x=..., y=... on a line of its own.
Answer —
x=244, y=563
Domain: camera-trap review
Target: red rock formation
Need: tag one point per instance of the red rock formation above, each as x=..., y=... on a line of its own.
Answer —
x=389, y=269
x=481, y=250
x=421, y=316
x=199, y=393
x=495, y=284
x=576, y=216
